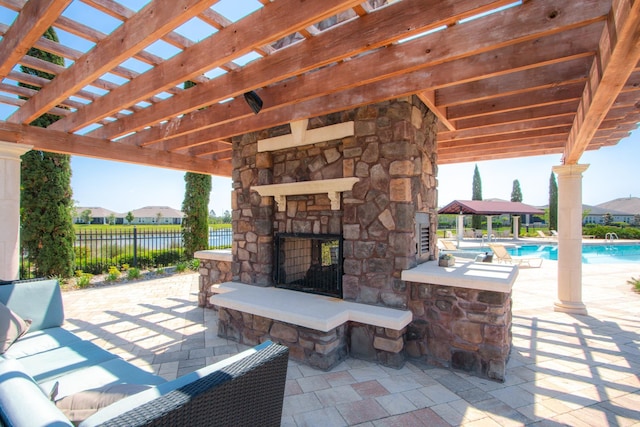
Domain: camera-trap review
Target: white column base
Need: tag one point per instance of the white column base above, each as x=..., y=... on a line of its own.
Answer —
x=570, y=307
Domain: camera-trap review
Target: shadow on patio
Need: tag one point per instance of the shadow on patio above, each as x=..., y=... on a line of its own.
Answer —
x=564, y=370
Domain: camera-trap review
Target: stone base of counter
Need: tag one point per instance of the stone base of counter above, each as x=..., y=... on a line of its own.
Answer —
x=460, y=328
x=321, y=350
x=215, y=268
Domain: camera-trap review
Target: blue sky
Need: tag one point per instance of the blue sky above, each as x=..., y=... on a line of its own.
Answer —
x=122, y=187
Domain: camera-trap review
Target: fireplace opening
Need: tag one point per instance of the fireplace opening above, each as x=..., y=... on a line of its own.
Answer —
x=309, y=263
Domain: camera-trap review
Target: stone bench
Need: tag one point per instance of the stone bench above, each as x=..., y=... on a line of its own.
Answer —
x=318, y=330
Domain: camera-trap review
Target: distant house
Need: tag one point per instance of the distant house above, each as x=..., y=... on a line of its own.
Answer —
x=595, y=215
x=156, y=215
x=96, y=215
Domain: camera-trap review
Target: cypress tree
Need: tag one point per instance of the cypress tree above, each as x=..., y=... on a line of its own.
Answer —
x=195, y=224
x=553, y=203
x=46, y=198
x=476, y=220
x=516, y=193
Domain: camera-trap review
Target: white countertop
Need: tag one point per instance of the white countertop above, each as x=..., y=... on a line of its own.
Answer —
x=312, y=311
x=215, y=255
x=465, y=274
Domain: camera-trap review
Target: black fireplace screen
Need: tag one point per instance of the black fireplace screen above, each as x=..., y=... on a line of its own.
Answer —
x=309, y=263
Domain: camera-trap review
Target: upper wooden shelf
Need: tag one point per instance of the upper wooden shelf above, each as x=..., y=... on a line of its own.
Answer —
x=333, y=188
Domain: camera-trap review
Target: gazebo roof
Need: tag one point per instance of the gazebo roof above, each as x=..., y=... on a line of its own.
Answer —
x=505, y=79
x=489, y=207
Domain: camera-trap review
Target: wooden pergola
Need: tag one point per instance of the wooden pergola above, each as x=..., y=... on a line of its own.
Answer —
x=505, y=78
x=538, y=77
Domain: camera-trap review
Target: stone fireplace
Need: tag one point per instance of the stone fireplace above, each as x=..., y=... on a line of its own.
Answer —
x=366, y=178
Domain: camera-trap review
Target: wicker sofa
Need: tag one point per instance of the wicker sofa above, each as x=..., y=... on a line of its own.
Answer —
x=49, y=365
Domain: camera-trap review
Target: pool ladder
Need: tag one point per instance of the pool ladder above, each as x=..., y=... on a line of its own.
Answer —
x=610, y=237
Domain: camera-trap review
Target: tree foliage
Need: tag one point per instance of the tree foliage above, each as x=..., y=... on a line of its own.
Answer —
x=195, y=224
x=553, y=203
x=476, y=220
x=607, y=219
x=516, y=193
x=46, y=198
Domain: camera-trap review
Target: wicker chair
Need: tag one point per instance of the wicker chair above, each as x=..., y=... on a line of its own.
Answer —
x=247, y=392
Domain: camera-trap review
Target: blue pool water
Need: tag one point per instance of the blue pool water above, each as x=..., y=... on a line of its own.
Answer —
x=591, y=254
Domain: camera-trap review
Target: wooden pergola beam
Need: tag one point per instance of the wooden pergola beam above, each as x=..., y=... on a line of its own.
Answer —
x=386, y=26
x=155, y=20
x=268, y=24
x=618, y=54
x=32, y=22
x=446, y=65
x=61, y=142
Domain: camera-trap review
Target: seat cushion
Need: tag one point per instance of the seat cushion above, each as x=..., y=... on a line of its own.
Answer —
x=39, y=341
x=12, y=327
x=114, y=371
x=52, y=364
x=79, y=406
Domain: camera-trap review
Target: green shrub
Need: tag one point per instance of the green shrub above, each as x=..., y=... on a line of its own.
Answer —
x=133, y=273
x=194, y=264
x=635, y=283
x=84, y=279
x=113, y=274
x=181, y=266
x=160, y=271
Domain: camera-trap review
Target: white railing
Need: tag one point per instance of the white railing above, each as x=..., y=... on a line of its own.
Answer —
x=610, y=237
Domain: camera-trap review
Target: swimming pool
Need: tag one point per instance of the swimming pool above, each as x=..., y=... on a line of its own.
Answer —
x=591, y=254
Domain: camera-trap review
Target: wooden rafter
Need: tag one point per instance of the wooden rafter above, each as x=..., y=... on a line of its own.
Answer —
x=275, y=20
x=385, y=26
x=28, y=27
x=62, y=142
x=618, y=54
x=440, y=69
x=155, y=20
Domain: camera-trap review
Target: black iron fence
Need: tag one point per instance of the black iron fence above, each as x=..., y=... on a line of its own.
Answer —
x=98, y=249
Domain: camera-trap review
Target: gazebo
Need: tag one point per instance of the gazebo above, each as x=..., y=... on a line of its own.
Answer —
x=490, y=208
x=476, y=80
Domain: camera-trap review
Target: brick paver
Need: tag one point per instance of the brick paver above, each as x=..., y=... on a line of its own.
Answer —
x=563, y=370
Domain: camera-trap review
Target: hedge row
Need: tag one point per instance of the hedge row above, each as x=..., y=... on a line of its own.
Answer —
x=155, y=259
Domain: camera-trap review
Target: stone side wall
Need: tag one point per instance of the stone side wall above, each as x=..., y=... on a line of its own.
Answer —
x=322, y=350
x=212, y=272
x=460, y=328
x=394, y=155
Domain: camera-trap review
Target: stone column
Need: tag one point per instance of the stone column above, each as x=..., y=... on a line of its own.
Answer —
x=570, y=239
x=516, y=227
x=10, y=209
x=489, y=227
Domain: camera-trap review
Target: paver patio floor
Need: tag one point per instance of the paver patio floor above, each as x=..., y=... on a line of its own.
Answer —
x=563, y=370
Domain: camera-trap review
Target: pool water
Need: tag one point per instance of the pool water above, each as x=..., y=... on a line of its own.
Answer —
x=591, y=254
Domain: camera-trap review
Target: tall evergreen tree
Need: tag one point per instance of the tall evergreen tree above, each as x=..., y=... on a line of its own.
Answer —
x=516, y=193
x=516, y=196
x=476, y=220
x=195, y=224
x=46, y=198
x=553, y=203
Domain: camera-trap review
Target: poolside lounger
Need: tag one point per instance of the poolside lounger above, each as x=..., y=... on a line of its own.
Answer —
x=502, y=255
x=448, y=245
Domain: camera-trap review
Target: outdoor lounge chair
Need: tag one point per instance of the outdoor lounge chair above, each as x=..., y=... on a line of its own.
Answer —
x=541, y=234
x=501, y=255
x=448, y=245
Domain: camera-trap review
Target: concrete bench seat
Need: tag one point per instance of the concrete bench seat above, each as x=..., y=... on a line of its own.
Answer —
x=311, y=311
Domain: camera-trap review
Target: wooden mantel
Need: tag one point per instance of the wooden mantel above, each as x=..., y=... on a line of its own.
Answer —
x=333, y=188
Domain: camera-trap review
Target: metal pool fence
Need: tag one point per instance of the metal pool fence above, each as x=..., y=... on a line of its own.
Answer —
x=98, y=249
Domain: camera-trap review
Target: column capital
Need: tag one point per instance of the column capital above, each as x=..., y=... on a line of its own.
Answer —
x=11, y=150
x=570, y=170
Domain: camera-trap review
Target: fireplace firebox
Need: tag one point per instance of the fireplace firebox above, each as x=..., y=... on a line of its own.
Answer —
x=309, y=263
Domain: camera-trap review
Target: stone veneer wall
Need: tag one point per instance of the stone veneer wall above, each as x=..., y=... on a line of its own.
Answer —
x=393, y=153
x=461, y=328
x=212, y=272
